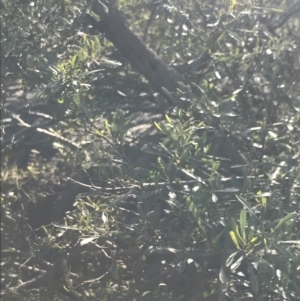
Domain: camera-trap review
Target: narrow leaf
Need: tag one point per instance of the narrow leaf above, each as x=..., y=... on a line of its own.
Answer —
x=122, y=197
x=243, y=221
x=253, y=279
x=231, y=258
x=234, y=239
x=283, y=251
x=168, y=118
x=114, y=270
x=104, y=217
x=222, y=275
x=158, y=126
x=285, y=219
x=215, y=167
x=85, y=241
x=110, y=64
x=244, y=202
x=199, y=179
x=167, y=93
x=230, y=189
x=237, y=263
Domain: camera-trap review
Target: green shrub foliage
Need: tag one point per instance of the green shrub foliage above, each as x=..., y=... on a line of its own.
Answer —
x=150, y=150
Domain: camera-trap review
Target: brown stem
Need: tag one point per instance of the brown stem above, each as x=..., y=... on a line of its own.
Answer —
x=134, y=49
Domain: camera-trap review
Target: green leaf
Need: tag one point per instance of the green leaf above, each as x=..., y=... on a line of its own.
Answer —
x=285, y=219
x=114, y=270
x=155, y=215
x=95, y=17
x=154, y=151
x=243, y=221
x=168, y=118
x=158, y=126
x=233, y=226
x=166, y=149
x=74, y=61
x=193, y=209
x=97, y=44
x=253, y=279
x=215, y=167
x=265, y=266
x=283, y=251
x=246, y=185
x=122, y=197
x=244, y=202
x=218, y=237
x=234, y=239
x=168, y=94
x=241, y=241
x=199, y=179
x=98, y=133
x=107, y=126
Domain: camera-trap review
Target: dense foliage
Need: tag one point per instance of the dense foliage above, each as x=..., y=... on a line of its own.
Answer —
x=116, y=189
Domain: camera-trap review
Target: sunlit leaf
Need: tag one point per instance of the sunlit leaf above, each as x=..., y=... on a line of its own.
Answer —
x=230, y=190
x=234, y=239
x=104, y=217
x=168, y=118
x=87, y=240
x=158, y=126
x=237, y=263
x=110, y=64
x=222, y=275
x=230, y=259
x=199, y=179
x=244, y=202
